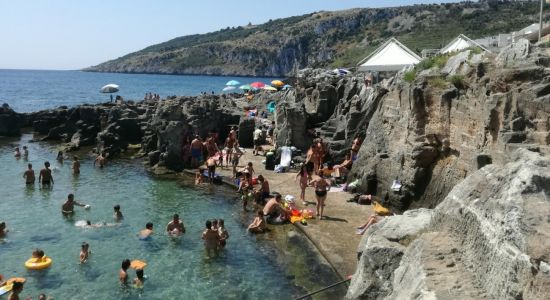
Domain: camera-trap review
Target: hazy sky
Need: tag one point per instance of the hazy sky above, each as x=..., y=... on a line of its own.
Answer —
x=72, y=34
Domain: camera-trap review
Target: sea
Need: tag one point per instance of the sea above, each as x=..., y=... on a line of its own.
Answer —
x=34, y=90
x=280, y=264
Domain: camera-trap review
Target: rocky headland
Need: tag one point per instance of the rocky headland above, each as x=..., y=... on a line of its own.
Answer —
x=467, y=138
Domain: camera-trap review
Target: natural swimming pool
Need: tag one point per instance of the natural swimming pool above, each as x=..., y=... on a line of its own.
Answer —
x=277, y=265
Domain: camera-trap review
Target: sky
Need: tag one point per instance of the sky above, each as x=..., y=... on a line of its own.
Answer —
x=70, y=35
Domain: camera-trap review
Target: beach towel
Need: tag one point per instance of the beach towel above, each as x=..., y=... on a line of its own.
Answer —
x=380, y=210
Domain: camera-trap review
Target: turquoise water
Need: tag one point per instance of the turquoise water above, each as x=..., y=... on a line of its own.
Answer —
x=33, y=90
x=249, y=268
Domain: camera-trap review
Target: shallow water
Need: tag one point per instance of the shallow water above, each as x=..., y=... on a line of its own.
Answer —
x=249, y=268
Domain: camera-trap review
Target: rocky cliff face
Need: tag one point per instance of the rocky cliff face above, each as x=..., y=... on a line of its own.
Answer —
x=432, y=132
x=487, y=239
x=339, y=39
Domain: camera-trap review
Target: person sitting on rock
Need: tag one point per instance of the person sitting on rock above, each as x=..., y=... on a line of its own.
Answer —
x=341, y=170
x=259, y=224
x=355, y=146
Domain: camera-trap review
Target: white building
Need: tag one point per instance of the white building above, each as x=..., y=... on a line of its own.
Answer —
x=460, y=43
x=391, y=56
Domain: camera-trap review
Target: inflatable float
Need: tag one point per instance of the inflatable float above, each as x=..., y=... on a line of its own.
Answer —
x=38, y=263
x=138, y=264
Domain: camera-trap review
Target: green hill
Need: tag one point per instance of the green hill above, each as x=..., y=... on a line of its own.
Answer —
x=322, y=39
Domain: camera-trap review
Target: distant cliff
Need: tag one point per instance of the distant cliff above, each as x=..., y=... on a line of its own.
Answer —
x=341, y=38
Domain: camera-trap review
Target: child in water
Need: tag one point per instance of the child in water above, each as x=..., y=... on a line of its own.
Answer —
x=140, y=279
x=214, y=224
x=198, y=177
x=118, y=214
x=84, y=252
x=38, y=255
x=123, y=272
x=16, y=289
x=223, y=233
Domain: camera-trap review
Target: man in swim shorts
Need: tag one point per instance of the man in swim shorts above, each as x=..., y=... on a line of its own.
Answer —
x=196, y=151
x=45, y=177
x=211, y=164
x=271, y=208
x=100, y=160
x=257, y=135
x=68, y=207
x=175, y=227
x=29, y=175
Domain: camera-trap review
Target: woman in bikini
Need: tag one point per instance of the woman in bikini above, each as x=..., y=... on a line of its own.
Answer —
x=322, y=186
x=303, y=178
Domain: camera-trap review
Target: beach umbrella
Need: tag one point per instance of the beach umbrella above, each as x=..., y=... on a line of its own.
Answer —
x=257, y=85
x=269, y=88
x=232, y=83
x=110, y=88
x=229, y=88
x=245, y=87
x=287, y=86
x=277, y=83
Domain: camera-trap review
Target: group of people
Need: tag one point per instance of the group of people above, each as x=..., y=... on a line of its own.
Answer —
x=151, y=97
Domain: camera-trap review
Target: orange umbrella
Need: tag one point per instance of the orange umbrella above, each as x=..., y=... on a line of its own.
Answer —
x=277, y=83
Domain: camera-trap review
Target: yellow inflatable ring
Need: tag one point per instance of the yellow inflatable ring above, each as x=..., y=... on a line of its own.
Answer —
x=38, y=263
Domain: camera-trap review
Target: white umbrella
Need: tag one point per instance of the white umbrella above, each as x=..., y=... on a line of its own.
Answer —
x=229, y=88
x=110, y=88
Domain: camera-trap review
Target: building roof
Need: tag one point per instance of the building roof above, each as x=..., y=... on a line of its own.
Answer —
x=391, y=56
x=460, y=43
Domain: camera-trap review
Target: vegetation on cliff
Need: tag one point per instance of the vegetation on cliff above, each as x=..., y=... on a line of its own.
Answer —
x=322, y=39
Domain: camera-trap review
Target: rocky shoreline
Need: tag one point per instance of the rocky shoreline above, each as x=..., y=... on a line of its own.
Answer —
x=469, y=142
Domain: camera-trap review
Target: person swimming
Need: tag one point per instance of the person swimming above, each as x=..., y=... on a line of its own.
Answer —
x=84, y=252
x=123, y=272
x=17, y=153
x=175, y=227
x=146, y=233
x=3, y=229
x=117, y=213
x=140, y=279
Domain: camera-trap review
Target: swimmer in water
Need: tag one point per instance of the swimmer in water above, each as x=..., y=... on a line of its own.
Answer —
x=140, y=279
x=16, y=289
x=100, y=160
x=211, y=238
x=118, y=214
x=45, y=177
x=76, y=165
x=29, y=175
x=17, y=153
x=25, y=152
x=175, y=227
x=3, y=229
x=146, y=233
x=68, y=207
x=84, y=252
x=123, y=272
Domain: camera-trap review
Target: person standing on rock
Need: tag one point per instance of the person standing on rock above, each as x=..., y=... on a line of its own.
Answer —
x=257, y=140
x=211, y=165
x=196, y=151
x=29, y=175
x=45, y=177
x=303, y=178
x=322, y=186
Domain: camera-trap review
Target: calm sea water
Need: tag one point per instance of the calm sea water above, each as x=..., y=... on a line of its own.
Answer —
x=32, y=90
x=249, y=268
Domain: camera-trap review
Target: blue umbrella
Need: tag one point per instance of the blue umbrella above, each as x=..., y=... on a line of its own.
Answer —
x=232, y=83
